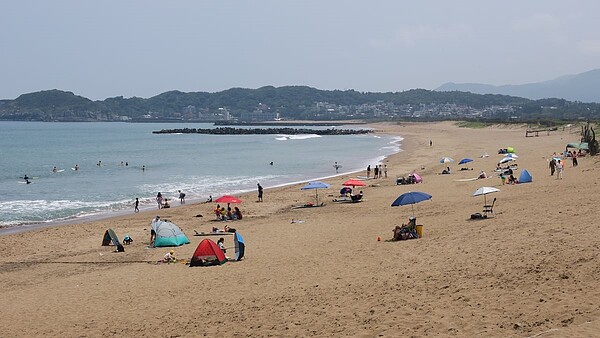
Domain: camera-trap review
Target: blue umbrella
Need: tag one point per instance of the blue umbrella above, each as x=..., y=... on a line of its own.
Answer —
x=465, y=160
x=238, y=240
x=316, y=185
x=411, y=198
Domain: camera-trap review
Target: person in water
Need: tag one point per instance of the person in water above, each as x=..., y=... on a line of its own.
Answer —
x=76, y=167
x=54, y=169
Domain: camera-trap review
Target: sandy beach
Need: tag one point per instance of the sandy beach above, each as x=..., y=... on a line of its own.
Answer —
x=528, y=271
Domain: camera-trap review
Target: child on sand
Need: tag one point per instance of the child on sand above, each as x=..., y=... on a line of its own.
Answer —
x=170, y=257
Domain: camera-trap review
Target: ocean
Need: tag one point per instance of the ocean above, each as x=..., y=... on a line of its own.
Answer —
x=198, y=165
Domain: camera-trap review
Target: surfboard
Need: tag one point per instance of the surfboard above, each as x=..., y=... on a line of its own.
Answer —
x=58, y=171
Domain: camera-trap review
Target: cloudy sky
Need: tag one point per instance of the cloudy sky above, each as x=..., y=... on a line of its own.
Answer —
x=101, y=49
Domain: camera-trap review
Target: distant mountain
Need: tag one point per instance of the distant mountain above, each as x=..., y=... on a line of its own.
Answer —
x=289, y=103
x=580, y=87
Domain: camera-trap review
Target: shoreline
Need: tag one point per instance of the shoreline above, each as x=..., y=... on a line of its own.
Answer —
x=87, y=218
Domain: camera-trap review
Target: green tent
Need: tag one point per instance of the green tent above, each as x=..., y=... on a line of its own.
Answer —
x=110, y=238
x=168, y=234
x=577, y=145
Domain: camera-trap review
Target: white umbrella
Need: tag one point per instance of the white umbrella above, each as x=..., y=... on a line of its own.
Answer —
x=507, y=159
x=484, y=191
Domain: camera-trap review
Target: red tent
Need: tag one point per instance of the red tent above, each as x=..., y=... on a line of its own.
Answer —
x=208, y=253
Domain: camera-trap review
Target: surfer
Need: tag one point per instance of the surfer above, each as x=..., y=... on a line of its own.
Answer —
x=26, y=177
x=27, y=181
x=76, y=167
x=99, y=163
x=55, y=169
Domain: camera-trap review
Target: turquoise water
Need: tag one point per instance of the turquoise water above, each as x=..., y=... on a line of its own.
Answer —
x=199, y=165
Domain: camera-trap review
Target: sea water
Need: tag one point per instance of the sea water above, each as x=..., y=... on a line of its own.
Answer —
x=136, y=163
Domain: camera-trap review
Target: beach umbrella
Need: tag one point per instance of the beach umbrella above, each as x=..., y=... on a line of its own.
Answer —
x=228, y=199
x=354, y=183
x=316, y=185
x=446, y=160
x=511, y=155
x=411, y=197
x=484, y=191
x=507, y=159
x=240, y=246
x=465, y=160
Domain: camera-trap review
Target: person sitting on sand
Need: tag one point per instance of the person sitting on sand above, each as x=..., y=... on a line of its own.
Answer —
x=237, y=214
x=221, y=245
x=482, y=174
x=169, y=257
x=356, y=198
x=446, y=171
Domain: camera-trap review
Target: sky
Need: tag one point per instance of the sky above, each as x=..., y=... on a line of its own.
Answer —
x=100, y=49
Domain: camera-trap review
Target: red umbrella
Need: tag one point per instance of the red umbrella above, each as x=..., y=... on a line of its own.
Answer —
x=228, y=199
x=354, y=183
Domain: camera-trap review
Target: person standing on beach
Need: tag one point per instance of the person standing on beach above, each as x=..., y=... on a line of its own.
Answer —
x=430, y=143
x=552, y=166
x=181, y=197
x=159, y=200
x=369, y=171
x=260, y=192
x=376, y=172
x=385, y=170
x=137, y=205
x=559, y=170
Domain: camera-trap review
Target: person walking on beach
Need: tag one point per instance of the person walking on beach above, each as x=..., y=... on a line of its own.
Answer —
x=376, y=172
x=369, y=171
x=385, y=170
x=574, y=158
x=559, y=170
x=137, y=205
x=159, y=200
x=260, y=192
x=430, y=143
x=181, y=197
x=552, y=166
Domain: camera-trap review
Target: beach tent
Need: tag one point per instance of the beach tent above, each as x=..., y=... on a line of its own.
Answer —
x=207, y=253
x=525, y=176
x=510, y=149
x=240, y=246
x=577, y=145
x=418, y=178
x=168, y=234
x=110, y=238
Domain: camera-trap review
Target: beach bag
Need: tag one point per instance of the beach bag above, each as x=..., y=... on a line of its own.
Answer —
x=476, y=215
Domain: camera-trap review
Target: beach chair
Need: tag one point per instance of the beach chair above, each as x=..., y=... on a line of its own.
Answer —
x=489, y=209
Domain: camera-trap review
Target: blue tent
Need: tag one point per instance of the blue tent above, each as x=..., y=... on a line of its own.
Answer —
x=168, y=234
x=525, y=176
x=239, y=246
